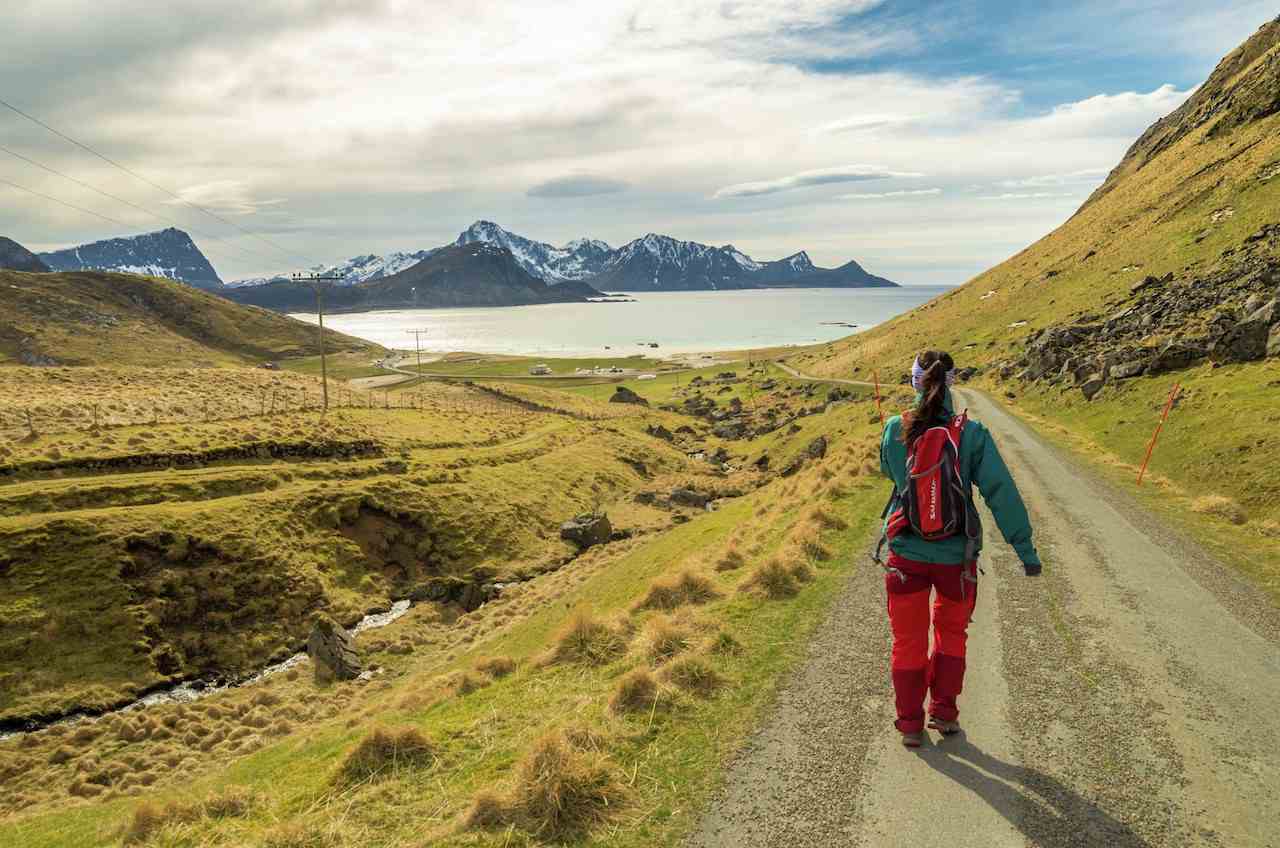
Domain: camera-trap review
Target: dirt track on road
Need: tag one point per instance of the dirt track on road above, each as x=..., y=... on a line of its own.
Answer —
x=1125, y=698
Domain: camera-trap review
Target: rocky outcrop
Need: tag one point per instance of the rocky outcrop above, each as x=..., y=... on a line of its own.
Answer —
x=332, y=648
x=1166, y=324
x=624, y=395
x=688, y=497
x=592, y=528
x=15, y=257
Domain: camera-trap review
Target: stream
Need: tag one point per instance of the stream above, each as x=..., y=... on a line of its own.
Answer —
x=194, y=690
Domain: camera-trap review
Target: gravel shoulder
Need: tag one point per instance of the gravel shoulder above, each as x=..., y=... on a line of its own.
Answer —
x=1122, y=699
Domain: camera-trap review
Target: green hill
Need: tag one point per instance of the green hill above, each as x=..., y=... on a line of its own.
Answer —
x=1169, y=273
x=95, y=318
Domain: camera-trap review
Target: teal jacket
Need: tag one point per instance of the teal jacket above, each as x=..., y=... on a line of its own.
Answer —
x=980, y=463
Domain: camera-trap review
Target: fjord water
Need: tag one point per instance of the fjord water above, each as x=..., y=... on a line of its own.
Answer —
x=679, y=322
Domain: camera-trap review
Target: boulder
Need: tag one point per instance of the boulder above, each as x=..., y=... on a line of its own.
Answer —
x=1175, y=356
x=331, y=647
x=1243, y=342
x=1127, y=370
x=730, y=430
x=1092, y=386
x=1268, y=312
x=688, y=497
x=624, y=395
x=1273, y=341
x=817, y=449
x=588, y=529
x=660, y=432
x=761, y=464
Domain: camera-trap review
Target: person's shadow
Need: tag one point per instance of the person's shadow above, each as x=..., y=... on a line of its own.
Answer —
x=1040, y=806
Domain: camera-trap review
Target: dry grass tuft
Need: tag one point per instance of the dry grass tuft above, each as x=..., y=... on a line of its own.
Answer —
x=587, y=640
x=775, y=580
x=1219, y=507
x=730, y=560
x=664, y=638
x=496, y=667
x=560, y=794
x=636, y=692
x=826, y=519
x=807, y=538
x=686, y=588
x=383, y=751
x=150, y=818
x=464, y=684
x=694, y=675
x=725, y=643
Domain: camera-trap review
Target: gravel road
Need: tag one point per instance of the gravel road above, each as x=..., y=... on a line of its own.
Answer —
x=1125, y=698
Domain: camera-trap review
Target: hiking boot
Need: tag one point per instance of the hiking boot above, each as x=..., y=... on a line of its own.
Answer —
x=913, y=740
x=943, y=726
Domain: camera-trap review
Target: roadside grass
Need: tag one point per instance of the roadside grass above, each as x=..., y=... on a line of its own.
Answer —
x=478, y=365
x=1217, y=443
x=668, y=759
x=675, y=386
x=341, y=365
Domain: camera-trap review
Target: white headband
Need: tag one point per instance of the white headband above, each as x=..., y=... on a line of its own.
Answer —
x=917, y=376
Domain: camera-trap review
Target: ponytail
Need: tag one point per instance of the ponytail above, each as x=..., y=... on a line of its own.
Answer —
x=933, y=391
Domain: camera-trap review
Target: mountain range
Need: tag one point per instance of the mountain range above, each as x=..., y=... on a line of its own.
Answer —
x=475, y=274
x=167, y=253
x=651, y=263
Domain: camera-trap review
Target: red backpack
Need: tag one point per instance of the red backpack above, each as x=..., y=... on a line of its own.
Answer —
x=936, y=503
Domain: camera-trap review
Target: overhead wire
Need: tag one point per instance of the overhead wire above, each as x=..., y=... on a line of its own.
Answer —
x=133, y=205
x=64, y=203
x=150, y=182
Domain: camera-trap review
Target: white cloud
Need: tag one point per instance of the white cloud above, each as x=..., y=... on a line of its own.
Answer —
x=923, y=192
x=1126, y=114
x=1083, y=176
x=1033, y=195
x=807, y=179
x=228, y=197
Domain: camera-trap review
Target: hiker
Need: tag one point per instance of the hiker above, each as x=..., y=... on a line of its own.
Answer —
x=934, y=458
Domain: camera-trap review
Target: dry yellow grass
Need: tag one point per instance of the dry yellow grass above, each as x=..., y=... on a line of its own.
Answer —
x=688, y=587
x=1221, y=508
x=385, y=750
x=587, y=640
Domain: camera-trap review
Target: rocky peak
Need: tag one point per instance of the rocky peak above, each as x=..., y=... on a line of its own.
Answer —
x=15, y=257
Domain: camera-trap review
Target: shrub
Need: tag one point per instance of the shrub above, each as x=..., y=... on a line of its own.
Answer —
x=385, y=750
x=637, y=691
x=687, y=588
x=694, y=675
x=588, y=641
x=1221, y=508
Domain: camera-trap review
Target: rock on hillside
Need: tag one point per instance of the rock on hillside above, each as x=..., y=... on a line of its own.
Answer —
x=15, y=257
x=167, y=253
x=476, y=274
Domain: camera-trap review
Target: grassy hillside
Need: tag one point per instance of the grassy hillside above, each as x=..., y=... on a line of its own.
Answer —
x=141, y=554
x=1196, y=198
x=93, y=318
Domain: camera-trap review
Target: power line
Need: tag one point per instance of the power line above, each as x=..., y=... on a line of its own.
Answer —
x=149, y=182
x=131, y=204
x=65, y=203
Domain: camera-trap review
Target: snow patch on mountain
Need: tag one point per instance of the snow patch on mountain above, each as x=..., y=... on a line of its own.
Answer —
x=577, y=260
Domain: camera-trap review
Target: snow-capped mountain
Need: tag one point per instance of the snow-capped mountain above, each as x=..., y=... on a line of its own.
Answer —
x=357, y=269
x=577, y=260
x=166, y=253
x=662, y=263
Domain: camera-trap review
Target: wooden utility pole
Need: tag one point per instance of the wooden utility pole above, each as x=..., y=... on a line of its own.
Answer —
x=316, y=281
x=417, y=346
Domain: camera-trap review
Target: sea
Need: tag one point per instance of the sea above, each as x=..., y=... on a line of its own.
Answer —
x=677, y=322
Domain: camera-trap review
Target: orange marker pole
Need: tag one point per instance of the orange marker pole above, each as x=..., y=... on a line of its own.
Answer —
x=876, y=375
x=1168, y=405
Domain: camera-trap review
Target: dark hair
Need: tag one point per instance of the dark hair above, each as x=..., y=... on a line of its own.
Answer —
x=933, y=391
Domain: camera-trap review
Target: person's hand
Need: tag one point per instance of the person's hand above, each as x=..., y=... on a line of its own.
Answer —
x=1031, y=570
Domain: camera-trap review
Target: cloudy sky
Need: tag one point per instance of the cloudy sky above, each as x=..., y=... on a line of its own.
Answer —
x=929, y=140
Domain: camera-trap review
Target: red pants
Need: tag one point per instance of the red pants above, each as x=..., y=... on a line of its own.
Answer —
x=916, y=669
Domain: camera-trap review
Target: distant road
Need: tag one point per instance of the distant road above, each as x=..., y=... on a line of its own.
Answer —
x=1125, y=698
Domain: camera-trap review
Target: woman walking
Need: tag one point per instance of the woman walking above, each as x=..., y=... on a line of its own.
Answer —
x=934, y=458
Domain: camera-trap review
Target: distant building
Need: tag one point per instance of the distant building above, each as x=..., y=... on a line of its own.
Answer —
x=540, y=370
